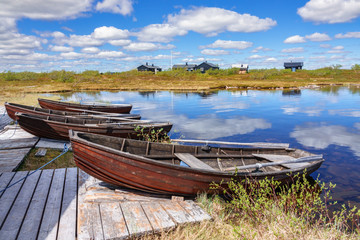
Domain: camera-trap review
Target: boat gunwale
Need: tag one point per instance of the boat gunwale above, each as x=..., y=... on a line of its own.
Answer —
x=69, y=104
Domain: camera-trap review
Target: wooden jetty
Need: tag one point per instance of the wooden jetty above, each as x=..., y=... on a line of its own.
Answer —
x=70, y=204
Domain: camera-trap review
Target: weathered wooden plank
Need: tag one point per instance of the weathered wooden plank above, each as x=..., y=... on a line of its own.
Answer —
x=5, y=179
x=52, y=143
x=176, y=212
x=135, y=219
x=194, y=210
x=41, y=152
x=11, y=159
x=9, y=196
x=113, y=221
x=193, y=162
x=255, y=144
x=158, y=217
x=32, y=221
x=15, y=132
x=89, y=222
x=49, y=225
x=67, y=229
x=281, y=158
x=17, y=143
x=13, y=221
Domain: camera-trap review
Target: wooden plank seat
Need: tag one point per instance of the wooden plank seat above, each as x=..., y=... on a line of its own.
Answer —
x=193, y=162
x=281, y=158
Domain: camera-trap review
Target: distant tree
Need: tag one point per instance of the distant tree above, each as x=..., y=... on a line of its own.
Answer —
x=355, y=67
x=336, y=66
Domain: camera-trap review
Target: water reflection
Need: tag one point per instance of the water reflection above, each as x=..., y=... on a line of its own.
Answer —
x=321, y=136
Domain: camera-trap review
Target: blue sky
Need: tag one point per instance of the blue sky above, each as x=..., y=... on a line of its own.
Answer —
x=119, y=35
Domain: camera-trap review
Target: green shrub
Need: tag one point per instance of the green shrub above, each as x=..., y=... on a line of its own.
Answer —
x=309, y=202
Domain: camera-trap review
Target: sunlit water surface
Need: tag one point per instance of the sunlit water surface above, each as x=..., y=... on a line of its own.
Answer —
x=323, y=121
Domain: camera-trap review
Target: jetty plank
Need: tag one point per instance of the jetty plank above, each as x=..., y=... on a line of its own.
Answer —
x=158, y=217
x=9, y=196
x=32, y=221
x=136, y=220
x=113, y=221
x=17, y=143
x=11, y=226
x=11, y=159
x=89, y=222
x=68, y=208
x=5, y=179
x=194, y=210
x=49, y=226
x=176, y=212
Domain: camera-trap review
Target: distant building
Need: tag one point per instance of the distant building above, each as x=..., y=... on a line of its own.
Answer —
x=243, y=68
x=203, y=67
x=293, y=65
x=187, y=67
x=150, y=68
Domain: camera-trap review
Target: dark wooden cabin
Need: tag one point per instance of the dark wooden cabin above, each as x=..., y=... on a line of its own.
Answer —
x=293, y=65
x=186, y=66
x=203, y=67
x=150, y=68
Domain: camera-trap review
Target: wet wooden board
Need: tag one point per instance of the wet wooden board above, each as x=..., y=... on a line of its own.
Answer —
x=280, y=158
x=15, y=143
x=55, y=204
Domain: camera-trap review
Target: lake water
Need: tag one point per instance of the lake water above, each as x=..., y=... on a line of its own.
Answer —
x=323, y=121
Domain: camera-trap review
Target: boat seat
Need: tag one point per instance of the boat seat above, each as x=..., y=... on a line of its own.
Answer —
x=280, y=158
x=193, y=162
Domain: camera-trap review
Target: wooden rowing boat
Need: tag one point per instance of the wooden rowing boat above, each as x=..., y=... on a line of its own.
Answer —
x=158, y=167
x=66, y=106
x=57, y=127
x=12, y=108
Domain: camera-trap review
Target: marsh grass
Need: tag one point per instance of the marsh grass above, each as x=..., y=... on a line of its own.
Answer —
x=32, y=162
x=268, y=210
x=14, y=83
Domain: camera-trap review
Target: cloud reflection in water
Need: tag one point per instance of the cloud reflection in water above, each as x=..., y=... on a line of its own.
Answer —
x=321, y=136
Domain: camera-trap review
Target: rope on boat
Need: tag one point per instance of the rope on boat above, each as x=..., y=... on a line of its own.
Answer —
x=65, y=150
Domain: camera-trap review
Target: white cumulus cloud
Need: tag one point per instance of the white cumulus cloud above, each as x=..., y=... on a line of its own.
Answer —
x=136, y=47
x=295, y=39
x=348, y=35
x=228, y=44
x=123, y=7
x=318, y=37
x=110, y=33
x=293, y=50
x=214, y=52
x=330, y=11
x=209, y=21
x=40, y=9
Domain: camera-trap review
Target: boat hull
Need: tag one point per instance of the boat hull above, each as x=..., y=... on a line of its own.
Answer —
x=138, y=172
x=14, y=108
x=42, y=127
x=65, y=106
